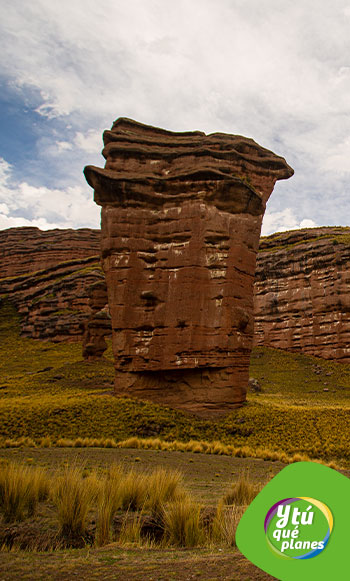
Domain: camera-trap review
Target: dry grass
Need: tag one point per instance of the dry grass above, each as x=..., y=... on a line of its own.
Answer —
x=157, y=509
x=242, y=492
x=182, y=524
x=21, y=488
x=108, y=502
x=163, y=486
x=105, y=511
x=133, y=490
x=131, y=529
x=224, y=524
x=197, y=447
x=72, y=496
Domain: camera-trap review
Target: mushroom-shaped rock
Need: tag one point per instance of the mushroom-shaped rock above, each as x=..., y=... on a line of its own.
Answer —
x=181, y=221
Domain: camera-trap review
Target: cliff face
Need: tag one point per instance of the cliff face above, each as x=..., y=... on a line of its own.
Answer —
x=25, y=250
x=181, y=219
x=302, y=299
x=47, y=275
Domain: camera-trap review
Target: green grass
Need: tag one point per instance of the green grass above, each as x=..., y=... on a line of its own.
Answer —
x=48, y=390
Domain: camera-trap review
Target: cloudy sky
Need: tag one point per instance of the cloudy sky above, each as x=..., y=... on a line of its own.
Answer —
x=274, y=70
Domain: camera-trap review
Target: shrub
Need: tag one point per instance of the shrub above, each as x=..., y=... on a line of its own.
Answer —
x=72, y=496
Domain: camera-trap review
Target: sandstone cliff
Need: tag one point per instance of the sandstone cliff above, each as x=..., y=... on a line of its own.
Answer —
x=47, y=275
x=25, y=250
x=302, y=299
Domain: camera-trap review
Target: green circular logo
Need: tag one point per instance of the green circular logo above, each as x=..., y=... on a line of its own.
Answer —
x=298, y=528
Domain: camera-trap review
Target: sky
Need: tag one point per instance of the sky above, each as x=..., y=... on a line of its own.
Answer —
x=277, y=71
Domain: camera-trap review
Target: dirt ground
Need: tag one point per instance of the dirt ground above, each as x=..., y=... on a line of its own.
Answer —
x=129, y=565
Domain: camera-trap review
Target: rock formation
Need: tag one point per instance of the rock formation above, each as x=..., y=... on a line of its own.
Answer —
x=181, y=219
x=27, y=250
x=301, y=289
x=47, y=275
x=302, y=300
x=98, y=326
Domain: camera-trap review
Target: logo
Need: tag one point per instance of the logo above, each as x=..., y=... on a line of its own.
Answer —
x=298, y=528
x=282, y=531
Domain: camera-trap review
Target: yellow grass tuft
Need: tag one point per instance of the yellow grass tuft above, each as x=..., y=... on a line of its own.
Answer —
x=72, y=496
x=182, y=523
x=21, y=488
x=131, y=529
x=163, y=486
x=242, y=492
x=224, y=524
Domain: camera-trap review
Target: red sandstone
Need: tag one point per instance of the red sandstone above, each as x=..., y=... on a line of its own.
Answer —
x=181, y=220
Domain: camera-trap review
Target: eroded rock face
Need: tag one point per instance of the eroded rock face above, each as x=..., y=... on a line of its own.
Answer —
x=98, y=326
x=181, y=220
x=26, y=250
x=302, y=300
x=51, y=274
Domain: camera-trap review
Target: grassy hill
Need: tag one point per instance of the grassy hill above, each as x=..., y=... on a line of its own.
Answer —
x=47, y=390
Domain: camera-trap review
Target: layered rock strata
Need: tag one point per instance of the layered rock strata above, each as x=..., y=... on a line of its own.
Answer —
x=302, y=299
x=181, y=219
x=98, y=326
x=27, y=250
x=52, y=273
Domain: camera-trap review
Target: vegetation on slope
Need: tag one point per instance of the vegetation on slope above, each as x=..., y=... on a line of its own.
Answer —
x=47, y=390
x=282, y=241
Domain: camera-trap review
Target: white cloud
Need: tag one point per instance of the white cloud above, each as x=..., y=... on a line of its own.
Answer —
x=11, y=222
x=339, y=158
x=307, y=223
x=275, y=71
x=5, y=171
x=22, y=204
x=63, y=146
x=90, y=142
x=4, y=209
x=283, y=221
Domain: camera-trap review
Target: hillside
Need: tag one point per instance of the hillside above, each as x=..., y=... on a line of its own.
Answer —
x=47, y=276
x=48, y=390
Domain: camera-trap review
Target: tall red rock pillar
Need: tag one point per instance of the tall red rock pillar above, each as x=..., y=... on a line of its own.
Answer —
x=181, y=220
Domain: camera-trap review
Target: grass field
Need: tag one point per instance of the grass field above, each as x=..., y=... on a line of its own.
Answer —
x=50, y=400
x=205, y=478
x=47, y=390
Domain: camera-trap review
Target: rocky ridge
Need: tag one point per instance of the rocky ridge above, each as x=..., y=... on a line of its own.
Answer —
x=27, y=250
